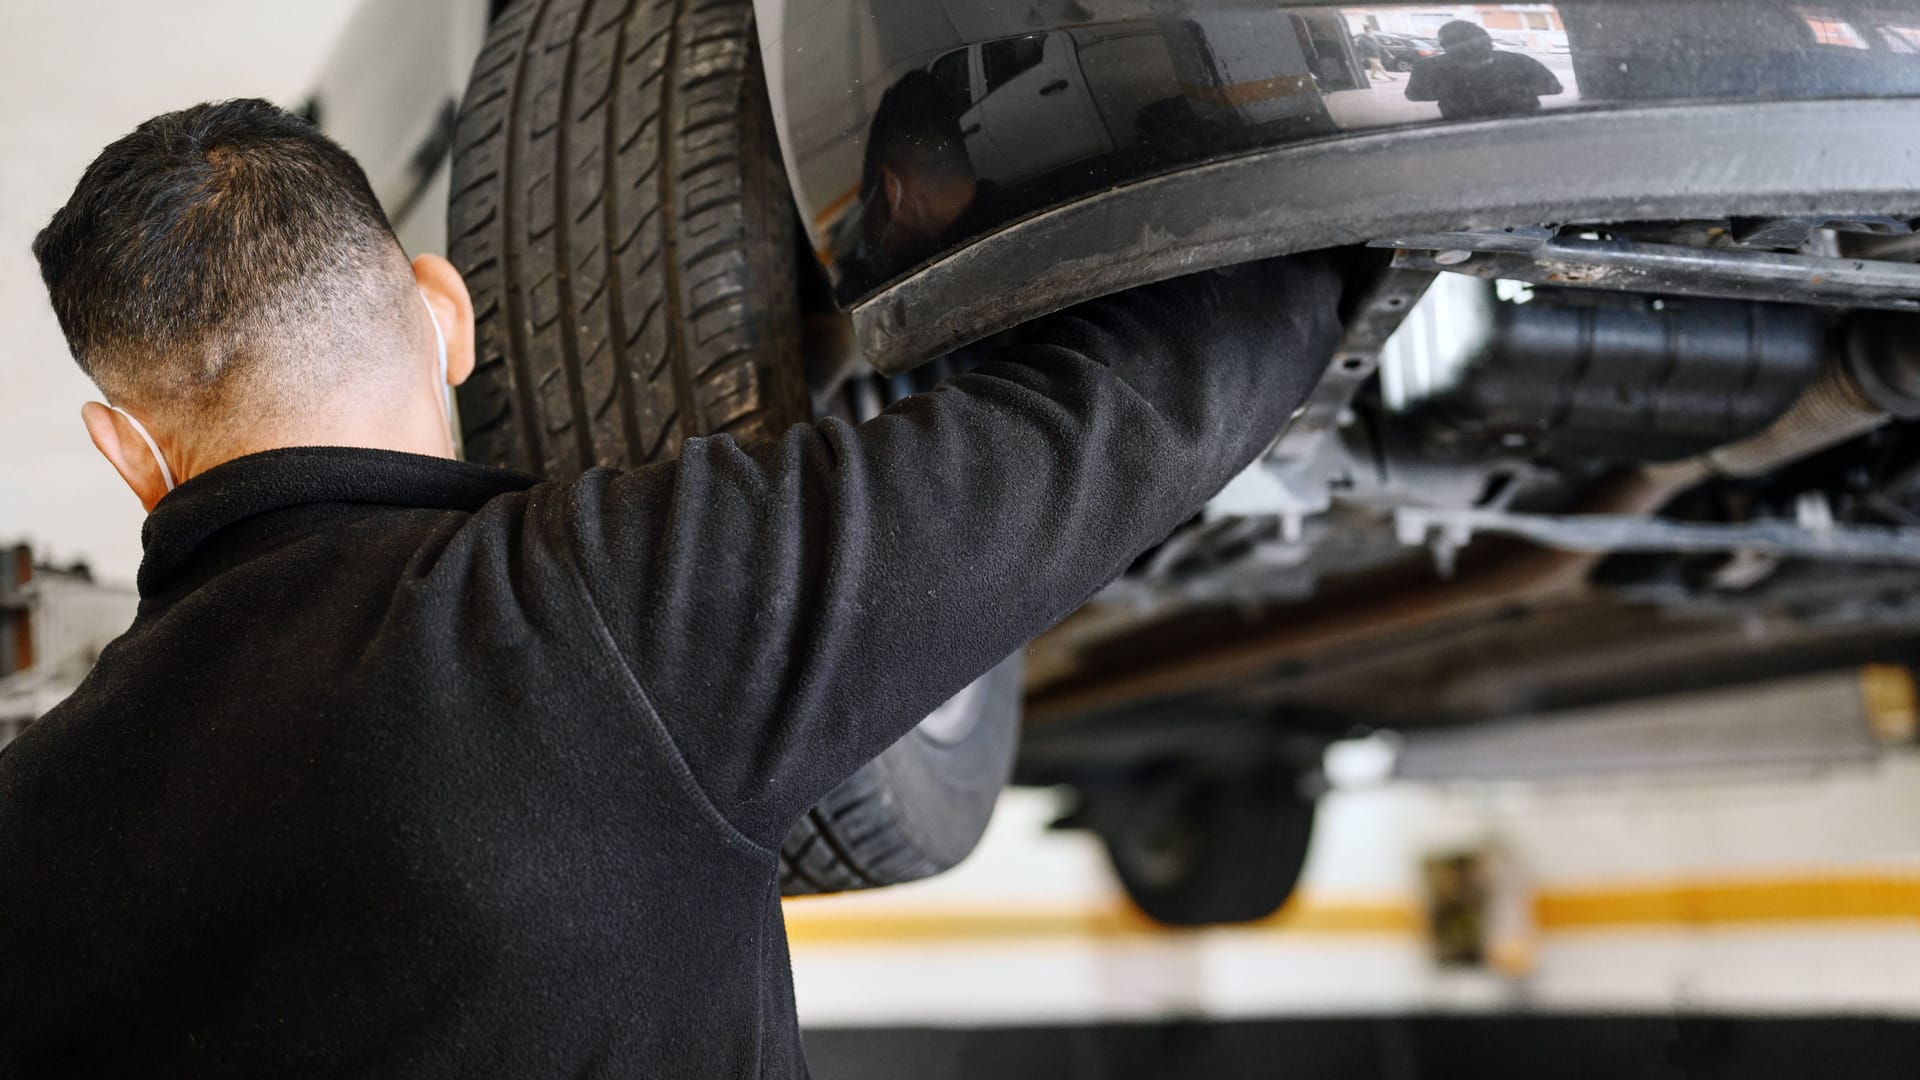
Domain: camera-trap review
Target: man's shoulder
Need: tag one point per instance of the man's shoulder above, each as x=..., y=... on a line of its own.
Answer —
x=1517, y=61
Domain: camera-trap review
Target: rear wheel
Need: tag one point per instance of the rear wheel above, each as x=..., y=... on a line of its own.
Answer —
x=621, y=214
x=1193, y=848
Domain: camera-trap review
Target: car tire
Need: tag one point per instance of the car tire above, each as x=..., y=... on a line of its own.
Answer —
x=920, y=807
x=1193, y=849
x=621, y=214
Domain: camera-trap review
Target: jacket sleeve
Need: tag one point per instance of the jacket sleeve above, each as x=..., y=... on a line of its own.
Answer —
x=790, y=609
x=1420, y=83
x=1541, y=81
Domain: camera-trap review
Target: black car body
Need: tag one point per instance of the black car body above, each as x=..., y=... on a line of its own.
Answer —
x=1180, y=124
x=1696, y=149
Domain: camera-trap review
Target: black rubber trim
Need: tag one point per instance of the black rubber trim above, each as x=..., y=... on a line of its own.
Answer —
x=1749, y=159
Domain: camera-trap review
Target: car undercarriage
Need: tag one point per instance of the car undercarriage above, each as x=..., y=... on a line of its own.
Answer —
x=1527, y=420
x=1549, y=468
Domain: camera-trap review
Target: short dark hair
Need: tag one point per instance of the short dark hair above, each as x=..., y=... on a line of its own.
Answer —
x=204, y=241
x=1460, y=32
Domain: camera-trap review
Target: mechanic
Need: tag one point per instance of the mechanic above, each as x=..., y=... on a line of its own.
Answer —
x=1471, y=80
x=413, y=767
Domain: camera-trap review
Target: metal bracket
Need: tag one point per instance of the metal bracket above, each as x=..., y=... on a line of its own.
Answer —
x=1535, y=255
x=1792, y=232
x=1307, y=456
x=1446, y=531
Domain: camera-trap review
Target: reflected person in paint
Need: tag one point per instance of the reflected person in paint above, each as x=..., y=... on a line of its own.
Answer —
x=918, y=189
x=1472, y=80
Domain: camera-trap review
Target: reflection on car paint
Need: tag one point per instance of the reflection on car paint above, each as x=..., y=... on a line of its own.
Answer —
x=913, y=126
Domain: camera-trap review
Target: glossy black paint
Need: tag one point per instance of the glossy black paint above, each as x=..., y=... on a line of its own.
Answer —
x=914, y=127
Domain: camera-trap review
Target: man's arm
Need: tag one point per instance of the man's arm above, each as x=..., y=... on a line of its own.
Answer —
x=793, y=608
x=1421, y=85
x=1541, y=81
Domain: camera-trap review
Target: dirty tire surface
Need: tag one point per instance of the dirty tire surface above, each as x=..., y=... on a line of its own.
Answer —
x=621, y=215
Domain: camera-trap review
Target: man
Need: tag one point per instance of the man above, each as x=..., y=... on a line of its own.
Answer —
x=1472, y=80
x=1375, y=55
x=412, y=767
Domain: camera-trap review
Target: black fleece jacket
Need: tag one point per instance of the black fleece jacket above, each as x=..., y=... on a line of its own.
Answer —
x=410, y=767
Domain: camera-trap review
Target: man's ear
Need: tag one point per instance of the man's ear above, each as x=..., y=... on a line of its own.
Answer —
x=894, y=187
x=126, y=451
x=446, y=293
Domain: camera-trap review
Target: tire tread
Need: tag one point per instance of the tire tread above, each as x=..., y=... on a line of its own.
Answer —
x=607, y=159
x=849, y=841
x=620, y=211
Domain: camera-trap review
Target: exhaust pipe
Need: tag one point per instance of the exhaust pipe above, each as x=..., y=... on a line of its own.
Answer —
x=1875, y=379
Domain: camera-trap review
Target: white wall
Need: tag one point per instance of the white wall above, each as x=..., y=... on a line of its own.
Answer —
x=76, y=75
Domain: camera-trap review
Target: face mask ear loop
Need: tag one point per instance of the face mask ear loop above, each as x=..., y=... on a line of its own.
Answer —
x=140, y=429
x=440, y=346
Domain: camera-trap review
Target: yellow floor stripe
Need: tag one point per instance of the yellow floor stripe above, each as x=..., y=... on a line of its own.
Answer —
x=816, y=923
x=1808, y=899
x=1829, y=899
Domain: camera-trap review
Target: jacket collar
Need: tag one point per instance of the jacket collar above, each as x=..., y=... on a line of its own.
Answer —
x=258, y=484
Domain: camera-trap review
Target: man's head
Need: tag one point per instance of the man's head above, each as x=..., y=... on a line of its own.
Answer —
x=1466, y=40
x=225, y=274
x=917, y=179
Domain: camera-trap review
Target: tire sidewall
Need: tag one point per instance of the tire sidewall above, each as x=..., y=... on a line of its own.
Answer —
x=940, y=795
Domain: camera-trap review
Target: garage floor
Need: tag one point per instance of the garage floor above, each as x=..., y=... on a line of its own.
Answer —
x=1387, y=1048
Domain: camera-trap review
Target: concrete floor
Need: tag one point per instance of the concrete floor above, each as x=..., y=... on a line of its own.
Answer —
x=75, y=76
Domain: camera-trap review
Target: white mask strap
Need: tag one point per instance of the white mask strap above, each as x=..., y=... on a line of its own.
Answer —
x=140, y=429
x=440, y=343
